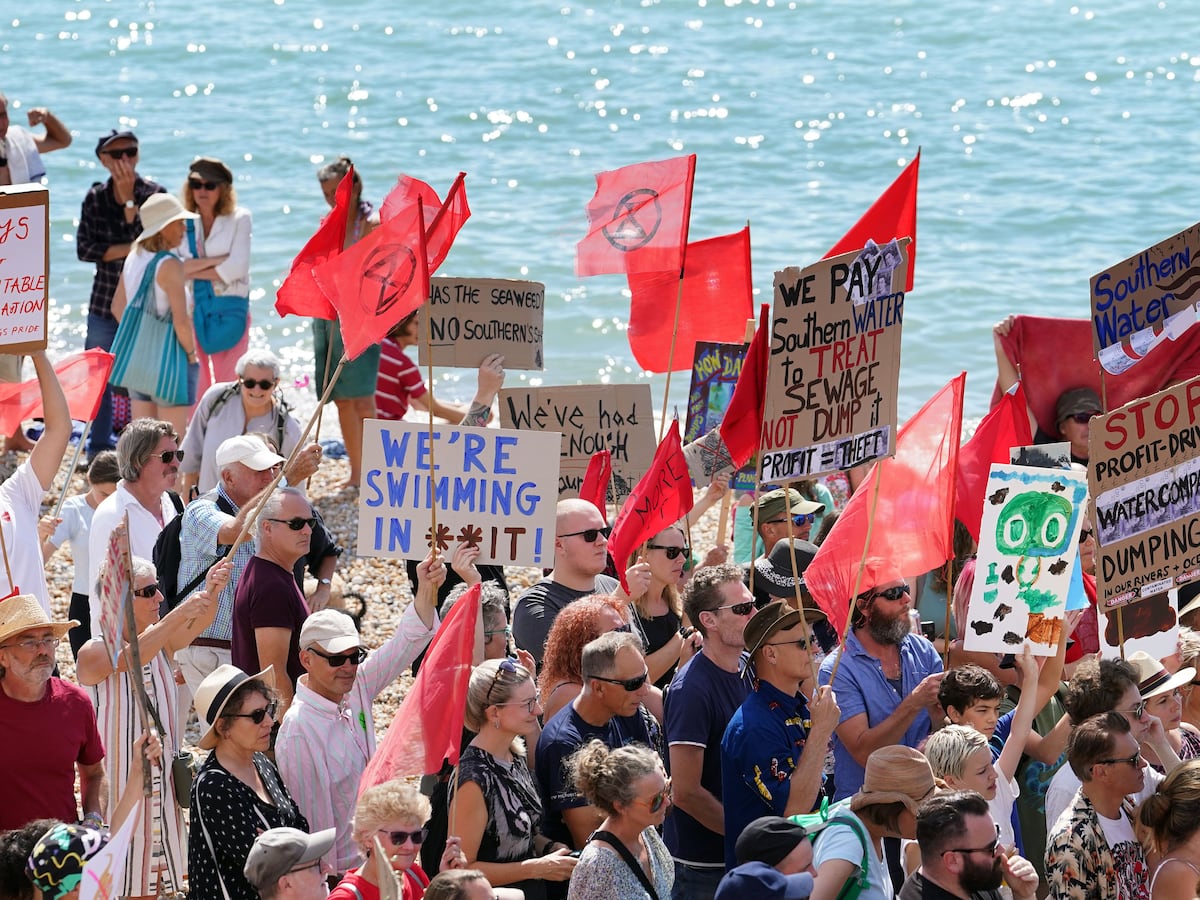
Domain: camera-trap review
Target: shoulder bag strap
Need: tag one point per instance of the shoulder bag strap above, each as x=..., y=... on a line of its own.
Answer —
x=613, y=841
x=208, y=840
x=854, y=886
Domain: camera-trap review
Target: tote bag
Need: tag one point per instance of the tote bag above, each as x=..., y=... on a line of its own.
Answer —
x=147, y=356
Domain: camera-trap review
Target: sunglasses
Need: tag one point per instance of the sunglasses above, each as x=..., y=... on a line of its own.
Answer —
x=1082, y=418
x=337, y=660
x=296, y=522
x=739, y=609
x=167, y=455
x=262, y=384
x=148, y=591
x=259, y=714
x=1084, y=534
x=892, y=593
x=506, y=665
x=1135, y=760
x=590, y=534
x=797, y=520
x=1137, y=712
x=197, y=185
x=802, y=643
x=990, y=849
x=671, y=552
x=655, y=803
x=128, y=152
x=629, y=684
x=399, y=837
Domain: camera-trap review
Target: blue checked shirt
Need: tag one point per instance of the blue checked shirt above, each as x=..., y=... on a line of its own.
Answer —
x=199, y=548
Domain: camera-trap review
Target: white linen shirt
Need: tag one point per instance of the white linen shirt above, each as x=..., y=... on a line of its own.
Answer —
x=230, y=235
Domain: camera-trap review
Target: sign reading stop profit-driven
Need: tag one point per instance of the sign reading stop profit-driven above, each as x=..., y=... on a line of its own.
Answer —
x=472, y=318
x=834, y=368
x=24, y=267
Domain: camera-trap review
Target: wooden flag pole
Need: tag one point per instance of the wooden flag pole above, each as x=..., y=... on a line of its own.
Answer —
x=328, y=362
x=808, y=635
x=74, y=462
x=949, y=611
x=862, y=565
x=662, y=422
x=133, y=661
x=433, y=526
x=7, y=567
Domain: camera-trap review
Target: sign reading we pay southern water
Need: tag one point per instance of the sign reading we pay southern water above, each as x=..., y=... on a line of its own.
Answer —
x=491, y=487
x=24, y=264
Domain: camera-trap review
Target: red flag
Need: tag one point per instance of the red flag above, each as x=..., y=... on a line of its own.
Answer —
x=596, y=480
x=299, y=294
x=638, y=219
x=914, y=513
x=1006, y=426
x=443, y=221
x=83, y=377
x=742, y=426
x=661, y=497
x=378, y=281
x=714, y=303
x=428, y=725
x=893, y=215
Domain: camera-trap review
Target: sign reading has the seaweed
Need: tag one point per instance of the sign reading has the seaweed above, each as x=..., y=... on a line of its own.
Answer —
x=471, y=318
x=24, y=268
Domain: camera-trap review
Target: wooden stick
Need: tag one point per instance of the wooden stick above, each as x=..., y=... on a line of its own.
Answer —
x=433, y=532
x=74, y=462
x=7, y=567
x=949, y=610
x=662, y=422
x=723, y=517
x=862, y=565
x=133, y=662
x=808, y=635
x=321, y=404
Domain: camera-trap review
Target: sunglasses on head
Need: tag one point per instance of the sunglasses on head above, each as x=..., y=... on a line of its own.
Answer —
x=739, y=609
x=629, y=684
x=259, y=714
x=167, y=455
x=399, y=837
x=262, y=384
x=129, y=152
x=196, y=184
x=671, y=552
x=892, y=593
x=337, y=660
x=148, y=591
x=590, y=534
x=296, y=522
x=506, y=665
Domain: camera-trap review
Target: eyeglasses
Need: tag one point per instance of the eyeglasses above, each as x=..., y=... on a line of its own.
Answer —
x=739, y=609
x=337, y=660
x=1083, y=418
x=197, y=185
x=167, y=455
x=590, y=534
x=802, y=643
x=259, y=714
x=671, y=552
x=655, y=803
x=1135, y=760
x=535, y=700
x=1084, y=534
x=148, y=591
x=296, y=522
x=262, y=384
x=990, y=849
x=128, y=152
x=312, y=865
x=1137, y=712
x=892, y=593
x=29, y=645
x=399, y=837
x=506, y=665
x=506, y=631
x=629, y=684
x=797, y=520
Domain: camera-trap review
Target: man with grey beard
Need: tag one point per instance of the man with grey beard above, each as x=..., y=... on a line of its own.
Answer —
x=887, y=685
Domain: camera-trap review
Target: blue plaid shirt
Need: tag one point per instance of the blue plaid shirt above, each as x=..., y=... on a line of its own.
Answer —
x=199, y=549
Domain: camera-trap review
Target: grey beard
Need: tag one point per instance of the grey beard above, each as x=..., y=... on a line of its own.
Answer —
x=890, y=632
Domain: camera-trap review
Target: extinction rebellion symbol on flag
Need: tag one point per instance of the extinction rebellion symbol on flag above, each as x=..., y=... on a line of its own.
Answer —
x=635, y=220
x=393, y=267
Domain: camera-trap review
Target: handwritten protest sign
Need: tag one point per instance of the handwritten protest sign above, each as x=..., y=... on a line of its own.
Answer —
x=24, y=268
x=834, y=369
x=1144, y=300
x=590, y=417
x=1144, y=479
x=115, y=584
x=1150, y=625
x=1027, y=552
x=715, y=371
x=491, y=487
x=473, y=318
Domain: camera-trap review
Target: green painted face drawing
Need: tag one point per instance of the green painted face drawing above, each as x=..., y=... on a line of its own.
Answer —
x=1035, y=524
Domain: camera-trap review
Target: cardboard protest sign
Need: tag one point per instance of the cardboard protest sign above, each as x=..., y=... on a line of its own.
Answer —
x=834, y=369
x=115, y=584
x=1151, y=625
x=1144, y=300
x=490, y=487
x=715, y=371
x=473, y=318
x=102, y=874
x=1144, y=480
x=590, y=417
x=1027, y=551
x=24, y=268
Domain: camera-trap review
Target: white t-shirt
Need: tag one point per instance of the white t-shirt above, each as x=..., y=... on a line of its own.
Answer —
x=843, y=842
x=1001, y=806
x=133, y=271
x=20, y=507
x=76, y=515
x=1127, y=855
x=1060, y=796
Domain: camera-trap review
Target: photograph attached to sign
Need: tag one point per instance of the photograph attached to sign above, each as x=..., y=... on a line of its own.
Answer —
x=1027, y=552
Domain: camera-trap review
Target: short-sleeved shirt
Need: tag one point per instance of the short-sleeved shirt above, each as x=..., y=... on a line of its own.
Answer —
x=76, y=515
x=760, y=750
x=844, y=842
x=701, y=700
x=20, y=509
x=43, y=741
x=861, y=687
x=399, y=381
x=565, y=733
x=203, y=520
x=538, y=606
x=267, y=597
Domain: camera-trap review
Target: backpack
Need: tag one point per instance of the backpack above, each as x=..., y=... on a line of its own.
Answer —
x=282, y=409
x=815, y=825
x=168, y=555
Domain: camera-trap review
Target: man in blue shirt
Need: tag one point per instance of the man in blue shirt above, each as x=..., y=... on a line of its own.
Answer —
x=774, y=748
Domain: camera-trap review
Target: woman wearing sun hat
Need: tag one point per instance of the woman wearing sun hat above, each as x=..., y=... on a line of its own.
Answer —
x=1162, y=693
x=163, y=218
x=238, y=792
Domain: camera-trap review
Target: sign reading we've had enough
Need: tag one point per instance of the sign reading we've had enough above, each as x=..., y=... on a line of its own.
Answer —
x=834, y=368
x=492, y=488
x=472, y=318
x=24, y=267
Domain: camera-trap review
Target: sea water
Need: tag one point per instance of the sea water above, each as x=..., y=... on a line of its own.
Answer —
x=1055, y=140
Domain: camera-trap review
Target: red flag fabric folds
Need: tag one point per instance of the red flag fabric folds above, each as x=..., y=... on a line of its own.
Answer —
x=299, y=294
x=428, y=725
x=714, y=303
x=741, y=428
x=378, y=281
x=913, y=530
x=893, y=215
x=661, y=497
x=638, y=219
x=83, y=377
x=1006, y=426
x=443, y=221
x=596, y=480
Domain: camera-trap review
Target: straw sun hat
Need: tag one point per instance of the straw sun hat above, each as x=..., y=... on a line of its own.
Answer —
x=23, y=613
x=214, y=692
x=159, y=211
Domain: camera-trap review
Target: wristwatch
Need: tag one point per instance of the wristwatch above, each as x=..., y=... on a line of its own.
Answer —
x=324, y=581
x=129, y=204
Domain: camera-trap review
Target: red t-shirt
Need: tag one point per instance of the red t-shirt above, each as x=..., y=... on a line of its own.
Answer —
x=399, y=381
x=41, y=744
x=412, y=885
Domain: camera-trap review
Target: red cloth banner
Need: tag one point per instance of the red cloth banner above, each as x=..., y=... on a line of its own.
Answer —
x=893, y=215
x=299, y=294
x=741, y=429
x=83, y=377
x=443, y=221
x=1005, y=427
x=596, y=480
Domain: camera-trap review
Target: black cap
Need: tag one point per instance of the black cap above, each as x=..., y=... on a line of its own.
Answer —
x=768, y=840
x=114, y=135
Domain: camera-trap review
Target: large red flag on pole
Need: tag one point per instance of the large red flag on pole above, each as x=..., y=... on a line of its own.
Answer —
x=299, y=294
x=913, y=499
x=596, y=481
x=83, y=377
x=715, y=302
x=638, y=219
x=443, y=221
x=741, y=428
x=428, y=725
x=893, y=215
x=1005, y=427
x=661, y=497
